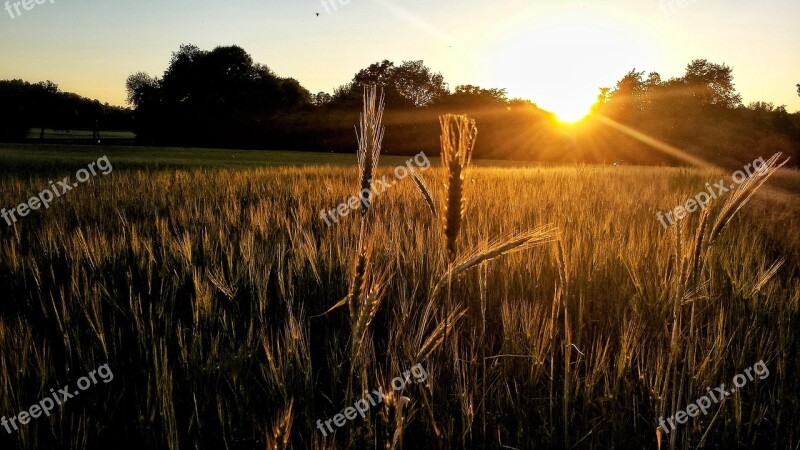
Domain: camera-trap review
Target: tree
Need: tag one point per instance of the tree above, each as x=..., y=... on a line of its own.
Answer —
x=141, y=88
x=211, y=96
x=798, y=89
x=321, y=99
x=471, y=96
x=602, y=98
x=711, y=84
x=381, y=74
x=409, y=84
x=653, y=80
x=628, y=97
x=492, y=94
x=762, y=106
x=419, y=84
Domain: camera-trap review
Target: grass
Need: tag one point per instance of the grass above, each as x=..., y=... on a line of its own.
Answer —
x=35, y=158
x=203, y=282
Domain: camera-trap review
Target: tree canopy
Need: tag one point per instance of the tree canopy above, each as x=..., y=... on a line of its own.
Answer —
x=210, y=96
x=411, y=84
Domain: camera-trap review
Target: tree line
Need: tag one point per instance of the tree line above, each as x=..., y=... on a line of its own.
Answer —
x=24, y=106
x=702, y=112
x=223, y=98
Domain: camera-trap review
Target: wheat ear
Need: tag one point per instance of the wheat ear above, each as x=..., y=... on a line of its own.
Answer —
x=498, y=247
x=278, y=438
x=743, y=193
x=366, y=311
x=370, y=140
x=458, y=142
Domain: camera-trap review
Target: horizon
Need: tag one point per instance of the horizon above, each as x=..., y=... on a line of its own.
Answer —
x=569, y=43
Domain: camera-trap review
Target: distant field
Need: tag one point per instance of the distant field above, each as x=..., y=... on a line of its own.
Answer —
x=30, y=157
x=136, y=157
x=35, y=133
x=201, y=284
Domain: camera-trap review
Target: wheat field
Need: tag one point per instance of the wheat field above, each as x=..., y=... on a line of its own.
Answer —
x=205, y=290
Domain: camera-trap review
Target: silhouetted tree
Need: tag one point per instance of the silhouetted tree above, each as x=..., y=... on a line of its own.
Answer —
x=712, y=84
x=380, y=74
x=762, y=106
x=603, y=97
x=409, y=84
x=470, y=96
x=492, y=94
x=321, y=98
x=141, y=89
x=213, y=97
x=628, y=99
x=419, y=84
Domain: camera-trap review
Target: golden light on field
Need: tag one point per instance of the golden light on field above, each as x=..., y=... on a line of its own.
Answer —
x=560, y=60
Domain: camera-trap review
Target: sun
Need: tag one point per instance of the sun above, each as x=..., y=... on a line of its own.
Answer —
x=559, y=61
x=567, y=113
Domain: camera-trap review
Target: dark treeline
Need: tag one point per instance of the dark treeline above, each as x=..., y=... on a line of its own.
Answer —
x=25, y=106
x=701, y=112
x=223, y=98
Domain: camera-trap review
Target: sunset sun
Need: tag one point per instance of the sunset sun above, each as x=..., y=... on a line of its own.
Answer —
x=560, y=61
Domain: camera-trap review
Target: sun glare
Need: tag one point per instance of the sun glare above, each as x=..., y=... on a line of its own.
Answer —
x=569, y=114
x=560, y=61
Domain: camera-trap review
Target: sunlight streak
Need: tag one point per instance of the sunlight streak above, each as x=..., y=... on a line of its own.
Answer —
x=662, y=146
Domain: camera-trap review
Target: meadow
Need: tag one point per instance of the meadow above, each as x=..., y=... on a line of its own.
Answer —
x=207, y=281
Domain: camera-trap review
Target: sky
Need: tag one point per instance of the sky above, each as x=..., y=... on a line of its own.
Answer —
x=556, y=53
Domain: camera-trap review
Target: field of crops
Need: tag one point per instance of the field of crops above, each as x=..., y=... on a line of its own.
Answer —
x=204, y=286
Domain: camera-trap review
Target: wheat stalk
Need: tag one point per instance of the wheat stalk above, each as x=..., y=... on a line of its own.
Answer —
x=370, y=139
x=499, y=247
x=458, y=142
